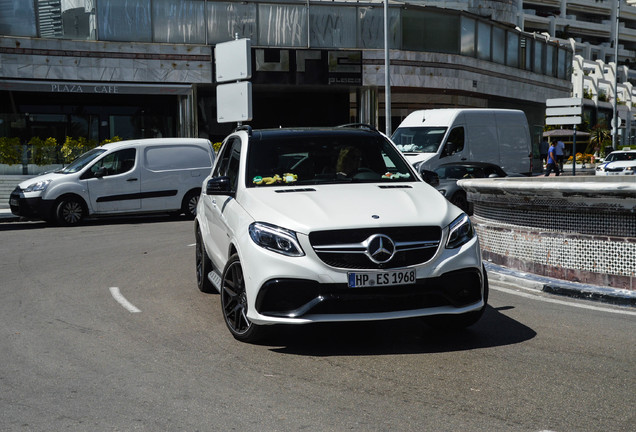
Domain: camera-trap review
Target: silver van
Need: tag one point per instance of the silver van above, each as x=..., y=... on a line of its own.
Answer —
x=125, y=177
x=429, y=138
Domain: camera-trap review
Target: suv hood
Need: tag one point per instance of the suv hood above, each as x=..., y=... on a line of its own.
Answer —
x=321, y=207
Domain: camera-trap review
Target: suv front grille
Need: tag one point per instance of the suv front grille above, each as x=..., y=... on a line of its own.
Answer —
x=354, y=248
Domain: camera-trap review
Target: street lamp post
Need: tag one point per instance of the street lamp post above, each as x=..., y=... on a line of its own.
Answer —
x=387, y=76
x=615, y=107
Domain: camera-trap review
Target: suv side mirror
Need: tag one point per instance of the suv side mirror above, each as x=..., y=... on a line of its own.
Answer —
x=219, y=186
x=430, y=177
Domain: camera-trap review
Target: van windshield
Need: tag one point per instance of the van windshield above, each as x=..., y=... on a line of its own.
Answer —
x=418, y=139
x=82, y=161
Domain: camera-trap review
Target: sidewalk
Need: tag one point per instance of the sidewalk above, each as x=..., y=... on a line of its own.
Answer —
x=6, y=215
x=620, y=297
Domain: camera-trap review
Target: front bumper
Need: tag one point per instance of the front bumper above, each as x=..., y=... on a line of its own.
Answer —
x=296, y=298
x=300, y=290
x=30, y=208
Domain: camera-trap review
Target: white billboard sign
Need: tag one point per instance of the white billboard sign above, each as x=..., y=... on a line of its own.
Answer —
x=234, y=102
x=233, y=60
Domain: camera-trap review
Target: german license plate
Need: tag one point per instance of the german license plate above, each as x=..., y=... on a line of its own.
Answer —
x=388, y=278
x=14, y=202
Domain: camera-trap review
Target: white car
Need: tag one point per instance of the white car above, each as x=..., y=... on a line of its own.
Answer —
x=622, y=162
x=299, y=226
x=126, y=177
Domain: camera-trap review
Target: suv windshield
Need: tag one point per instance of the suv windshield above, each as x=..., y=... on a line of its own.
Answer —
x=324, y=158
x=418, y=139
x=82, y=161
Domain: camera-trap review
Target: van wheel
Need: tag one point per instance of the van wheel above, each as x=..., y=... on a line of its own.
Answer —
x=189, y=205
x=69, y=211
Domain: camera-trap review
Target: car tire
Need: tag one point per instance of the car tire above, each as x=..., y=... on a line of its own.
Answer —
x=189, y=204
x=203, y=265
x=69, y=211
x=459, y=199
x=234, y=303
x=461, y=321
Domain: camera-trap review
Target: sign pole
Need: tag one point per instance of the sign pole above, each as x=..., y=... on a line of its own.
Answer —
x=574, y=152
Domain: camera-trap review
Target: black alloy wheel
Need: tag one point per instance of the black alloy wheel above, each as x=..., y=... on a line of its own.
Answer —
x=203, y=265
x=234, y=302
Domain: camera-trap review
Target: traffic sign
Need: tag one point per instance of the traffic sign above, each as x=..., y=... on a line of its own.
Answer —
x=570, y=120
x=563, y=102
x=564, y=111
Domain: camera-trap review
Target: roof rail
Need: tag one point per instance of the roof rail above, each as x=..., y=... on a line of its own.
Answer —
x=358, y=125
x=247, y=128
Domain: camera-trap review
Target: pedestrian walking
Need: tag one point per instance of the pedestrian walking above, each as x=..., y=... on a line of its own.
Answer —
x=543, y=151
x=551, y=163
x=560, y=148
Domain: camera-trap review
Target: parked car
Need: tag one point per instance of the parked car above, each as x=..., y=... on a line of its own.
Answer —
x=448, y=175
x=298, y=226
x=125, y=177
x=622, y=162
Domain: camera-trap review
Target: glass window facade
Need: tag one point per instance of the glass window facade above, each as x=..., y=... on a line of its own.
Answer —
x=178, y=22
x=468, y=36
x=331, y=27
x=281, y=23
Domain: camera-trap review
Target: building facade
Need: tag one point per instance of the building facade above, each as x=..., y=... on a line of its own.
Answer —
x=143, y=68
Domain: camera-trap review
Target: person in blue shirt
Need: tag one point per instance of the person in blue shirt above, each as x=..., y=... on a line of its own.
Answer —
x=552, y=161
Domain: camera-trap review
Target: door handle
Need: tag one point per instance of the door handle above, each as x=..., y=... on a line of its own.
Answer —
x=132, y=179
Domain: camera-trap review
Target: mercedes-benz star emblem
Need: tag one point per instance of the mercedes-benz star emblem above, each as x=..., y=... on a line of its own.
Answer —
x=380, y=248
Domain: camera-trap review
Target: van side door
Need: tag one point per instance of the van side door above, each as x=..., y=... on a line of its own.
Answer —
x=113, y=182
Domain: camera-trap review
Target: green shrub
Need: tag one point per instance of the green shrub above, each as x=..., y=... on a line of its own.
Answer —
x=10, y=151
x=43, y=152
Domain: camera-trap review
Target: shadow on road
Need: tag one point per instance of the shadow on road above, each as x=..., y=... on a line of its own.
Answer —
x=111, y=220
x=410, y=336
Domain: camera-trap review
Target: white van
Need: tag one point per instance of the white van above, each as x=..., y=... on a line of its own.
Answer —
x=136, y=176
x=429, y=138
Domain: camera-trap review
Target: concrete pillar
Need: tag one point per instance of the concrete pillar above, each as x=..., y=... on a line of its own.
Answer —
x=367, y=101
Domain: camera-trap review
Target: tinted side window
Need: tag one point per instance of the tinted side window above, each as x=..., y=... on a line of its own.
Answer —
x=118, y=162
x=455, y=141
x=162, y=158
x=229, y=159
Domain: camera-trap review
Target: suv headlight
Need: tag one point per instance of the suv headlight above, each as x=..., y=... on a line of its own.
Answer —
x=39, y=186
x=276, y=239
x=460, y=231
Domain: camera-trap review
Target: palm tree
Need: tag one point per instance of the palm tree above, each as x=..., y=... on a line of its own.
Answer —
x=599, y=138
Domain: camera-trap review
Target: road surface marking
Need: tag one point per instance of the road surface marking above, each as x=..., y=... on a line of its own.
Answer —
x=114, y=291
x=562, y=302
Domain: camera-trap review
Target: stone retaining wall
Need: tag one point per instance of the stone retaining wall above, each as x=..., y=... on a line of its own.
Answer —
x=580, y=229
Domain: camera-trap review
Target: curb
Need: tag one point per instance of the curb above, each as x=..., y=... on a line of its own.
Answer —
x=615, y=296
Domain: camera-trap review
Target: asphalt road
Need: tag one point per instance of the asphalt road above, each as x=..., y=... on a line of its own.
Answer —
x=102, y=328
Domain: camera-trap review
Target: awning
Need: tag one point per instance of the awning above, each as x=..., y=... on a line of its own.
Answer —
x=564, y=133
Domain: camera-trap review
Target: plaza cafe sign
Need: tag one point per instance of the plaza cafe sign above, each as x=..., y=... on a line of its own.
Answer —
x=94, y=88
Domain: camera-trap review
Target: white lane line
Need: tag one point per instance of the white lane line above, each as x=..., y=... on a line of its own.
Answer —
x=114, y=291
x=562, y=302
